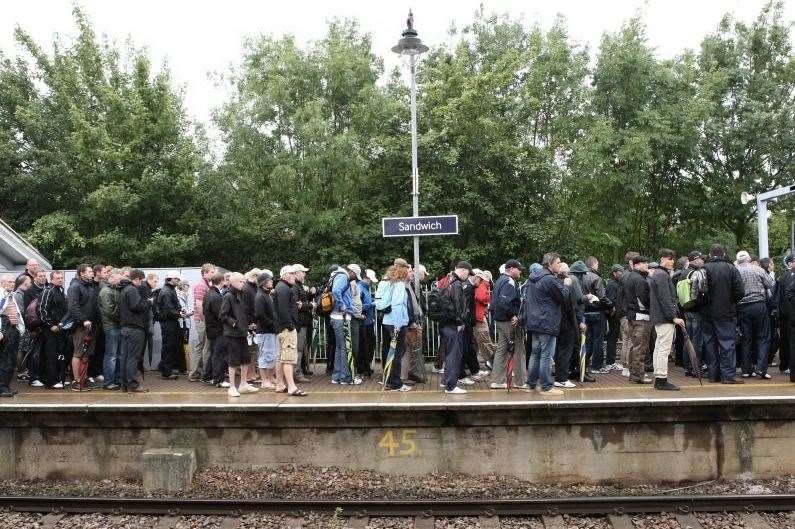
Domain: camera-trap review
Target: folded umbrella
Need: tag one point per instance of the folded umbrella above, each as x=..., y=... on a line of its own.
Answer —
x=583, y=356
x=691, y=353
x=390, y=356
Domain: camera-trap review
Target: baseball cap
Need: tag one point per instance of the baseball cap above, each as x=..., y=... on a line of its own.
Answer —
x=483, y=274
x=513, y=263
x=640, y=259
x=371, y=275
x=616, y=268
x=789, y=258
x=300, y=268
x=464, y=264
x=743, y=256
x=695, y=254
x=356, y=269
x=262, y=278
x=287, y=269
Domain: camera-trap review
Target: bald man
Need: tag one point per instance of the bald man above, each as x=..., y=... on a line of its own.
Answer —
x=32, y=267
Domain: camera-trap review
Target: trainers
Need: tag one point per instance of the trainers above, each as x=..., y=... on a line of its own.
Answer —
x=497, y=385
x=523, y=386
x=404, y=387
x=99, y=378
x=224, y=384
x=455, y=391
x=91, y=379
x=248, y=388
x=466, y=381
x=37, y=384
x=617, y=367
x=439, y=371
x=625, y=372
x=551, y=392
x=765, y=376
x=232, y=391
x=483, y=373
x=602, y=371
x=357, y=381
x=567, y=384
x=57, y=385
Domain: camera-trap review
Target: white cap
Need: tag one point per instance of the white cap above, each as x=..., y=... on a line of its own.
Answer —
x=172, y=274
x=476, y=271
x=743, y=257
x=356, y=269
x=502, y=268
x=483, y=274
x=267, y=271
x=286, y=270
x=371, y=275
x=300, y=268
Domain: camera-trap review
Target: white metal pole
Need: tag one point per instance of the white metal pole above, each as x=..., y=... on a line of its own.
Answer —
x=415, y=175
x=761, y=224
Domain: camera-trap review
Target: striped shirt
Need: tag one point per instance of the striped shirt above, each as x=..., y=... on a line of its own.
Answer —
x=755, y=281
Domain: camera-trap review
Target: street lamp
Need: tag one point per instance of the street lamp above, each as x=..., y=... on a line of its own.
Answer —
x=411, y=45
x=761, y=212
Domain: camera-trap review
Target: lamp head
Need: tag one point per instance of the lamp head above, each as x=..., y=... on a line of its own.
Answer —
x=410, y=43
x=746, y=197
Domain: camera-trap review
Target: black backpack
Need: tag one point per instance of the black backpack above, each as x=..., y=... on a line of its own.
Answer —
x=440, y=305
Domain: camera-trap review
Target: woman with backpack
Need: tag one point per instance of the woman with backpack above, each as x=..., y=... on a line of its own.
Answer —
x=396, y=308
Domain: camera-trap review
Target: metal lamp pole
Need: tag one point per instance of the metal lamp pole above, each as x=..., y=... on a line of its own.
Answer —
x=411, y=45
x=761, y=213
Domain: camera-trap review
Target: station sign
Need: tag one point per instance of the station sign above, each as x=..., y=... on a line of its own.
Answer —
x=420, y=226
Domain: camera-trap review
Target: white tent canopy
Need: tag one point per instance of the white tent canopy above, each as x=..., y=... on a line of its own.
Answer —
x=15, y=251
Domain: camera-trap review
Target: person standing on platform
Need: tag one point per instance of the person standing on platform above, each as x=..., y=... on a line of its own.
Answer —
x=134, y=318
x=546, y=294
x=12, y=326
x=287, y=307
x=304, y=296
x=504, y=305
x=636, y=300
x=724, y=290
x=626, y=335
x=109, y=295
x=265, y=337
x=216, y=368
x=150, y=289
x=340, y=317
x=169, y=312
x=663, y=314
x=31, y=342
x=482, y=335
x=367, y=335
x=235, y=317
x=772, y=294
x=754, y=318
x=397, y=308
x=200, y=352
x=52, y=310
x=412, y=364
x=693, y=321
x=81, y=299
x=452, y=327
x=614, y=293
x=785, y=317
x=593, y=287
x=572, y=323
x=356, y=314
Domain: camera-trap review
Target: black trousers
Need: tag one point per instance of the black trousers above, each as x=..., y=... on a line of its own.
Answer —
x=54, y=350
x=366, y=350
x=331, y=346
x=469, y=351
x=564, y=351
x=218, y=368
x=784, y=341
x=133, y=341
x=613, y=332
x=172, y=345
x=95, y=363
x=8, y=354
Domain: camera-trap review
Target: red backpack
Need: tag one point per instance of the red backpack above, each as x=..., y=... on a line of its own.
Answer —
x=31, y=317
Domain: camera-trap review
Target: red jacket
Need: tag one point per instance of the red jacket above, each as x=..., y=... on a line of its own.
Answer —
x=482, y=299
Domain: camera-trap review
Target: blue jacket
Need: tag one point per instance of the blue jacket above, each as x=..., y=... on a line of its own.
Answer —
x=504, y=299
x=395, y=296
x=544, y=298
x=341, y=291
x=368, y=303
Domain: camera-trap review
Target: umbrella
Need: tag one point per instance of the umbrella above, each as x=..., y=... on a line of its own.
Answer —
x=349, y=348
x=315, y=341
x=691, y=353
x=583, y=356
x=390, y=356
x=509, y=368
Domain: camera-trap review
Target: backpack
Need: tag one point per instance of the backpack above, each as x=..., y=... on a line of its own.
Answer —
x=440, y=305
x=326, y=304
x=31, y=317
x=691, y=290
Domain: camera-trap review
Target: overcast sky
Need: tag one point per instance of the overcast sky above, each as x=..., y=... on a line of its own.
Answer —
x=202, y=36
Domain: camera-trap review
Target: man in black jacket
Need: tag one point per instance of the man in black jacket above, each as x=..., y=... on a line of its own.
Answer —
x=724, y=290
x=636, y=306
x=452, y=329
x=613, y=291
x=169, y=312
x=786, y=319
x=304, y=297
x=287, y=306
x=215, y=371
x=664, y=316
x=237, y=318
x=52, y=310
x=505, y=304
x=133, y=320
x=81, y=300
x=265, y=318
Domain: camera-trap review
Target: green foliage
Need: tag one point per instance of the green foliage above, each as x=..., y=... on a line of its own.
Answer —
x=535, y=146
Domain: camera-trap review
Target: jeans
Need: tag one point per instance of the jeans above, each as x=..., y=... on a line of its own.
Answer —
x=541, y=361
x=451, y=337
x=110, y=364
x=387, y=332
x=755, y=340
x=696, y=333
x=132, y=347
x=719, y=339
x=342, y=372
x=595, y=340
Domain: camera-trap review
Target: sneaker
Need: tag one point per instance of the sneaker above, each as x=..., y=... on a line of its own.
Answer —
x=232, y=391
x=625, y=372
x=248, y=388
x=194, y=379
x=765, y=376
x=404, y=387
x=747, y=375
x=335, y=381
x=438, y=371
x=99, y=378
x=567, y=384
x=91, y=380
x=111, y=387
x=224, y=384
x=483, y=373
x=455, y=391
x=603, y=371
x=617, y=367
x=57, y=386
x=523, y=386
x=497, y=385
x=489, y=365
x=357, y=381
x=551, y=392
x=37, y=384
x=466, y=381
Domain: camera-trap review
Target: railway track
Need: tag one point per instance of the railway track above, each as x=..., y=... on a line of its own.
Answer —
x=355, y=514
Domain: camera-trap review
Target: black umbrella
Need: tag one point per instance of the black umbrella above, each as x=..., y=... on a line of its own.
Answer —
x=691, y=353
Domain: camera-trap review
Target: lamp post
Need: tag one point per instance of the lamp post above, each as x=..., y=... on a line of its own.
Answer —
x=761, y=212
x=411, y=45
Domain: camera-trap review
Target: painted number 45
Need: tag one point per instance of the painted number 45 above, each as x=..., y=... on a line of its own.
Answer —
x=404, y=448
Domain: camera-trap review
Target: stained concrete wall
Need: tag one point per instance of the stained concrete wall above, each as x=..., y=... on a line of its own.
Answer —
x=416, y=443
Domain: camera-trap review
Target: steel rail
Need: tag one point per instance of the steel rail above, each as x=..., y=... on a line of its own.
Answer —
x=444, y=507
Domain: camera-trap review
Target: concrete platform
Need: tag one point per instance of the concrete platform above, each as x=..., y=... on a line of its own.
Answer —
x=606, y=431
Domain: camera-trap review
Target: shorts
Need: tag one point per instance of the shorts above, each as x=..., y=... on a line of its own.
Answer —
x=236, y=351
x=288, y=347
x=83, y=342
x=268, y=351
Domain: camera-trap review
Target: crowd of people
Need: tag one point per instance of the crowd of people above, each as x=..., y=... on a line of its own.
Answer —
x=562, y=326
